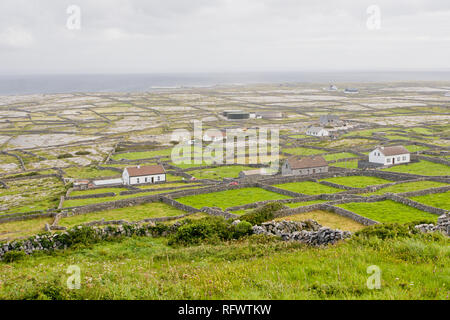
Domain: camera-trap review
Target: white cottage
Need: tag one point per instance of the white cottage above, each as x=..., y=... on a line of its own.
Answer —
x=317, y=132
x=143, y=174
x=389, y=155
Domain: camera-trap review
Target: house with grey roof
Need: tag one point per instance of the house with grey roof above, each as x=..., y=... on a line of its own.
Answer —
x=305, y=166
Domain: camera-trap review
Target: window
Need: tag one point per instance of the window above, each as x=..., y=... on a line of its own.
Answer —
x=137, y=180
x=404, y=158
x=398, y=158
x=159, y=178
x=388, y=160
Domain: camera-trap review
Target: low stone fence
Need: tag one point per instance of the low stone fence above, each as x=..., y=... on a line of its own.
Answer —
x=92, y=196
x=110, y=205
x=37, y=176
x=434, y=159
x=278, y=190
x=335, y=185
x=25, y=216
x=349, y=214
x=415, y=204
x=218, y=212
x=178, y=205
x=424, y=192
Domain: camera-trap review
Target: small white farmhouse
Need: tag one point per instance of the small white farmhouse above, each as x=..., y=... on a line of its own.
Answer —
x=143, y=174
x=317, y=132
x=389, y=155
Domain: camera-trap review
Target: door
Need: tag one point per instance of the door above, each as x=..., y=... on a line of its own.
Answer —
x=153, y=179
x=393, y=160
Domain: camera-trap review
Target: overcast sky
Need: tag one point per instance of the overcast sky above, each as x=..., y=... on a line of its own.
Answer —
x=128, y=36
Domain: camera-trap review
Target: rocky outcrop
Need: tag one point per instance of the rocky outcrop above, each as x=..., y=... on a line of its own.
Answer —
x=443, y=225
x=308, y=231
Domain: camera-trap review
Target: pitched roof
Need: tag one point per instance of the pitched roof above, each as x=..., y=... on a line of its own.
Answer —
x=315, y=129
x=393, y=151
x=145, y=170
x=310, y=162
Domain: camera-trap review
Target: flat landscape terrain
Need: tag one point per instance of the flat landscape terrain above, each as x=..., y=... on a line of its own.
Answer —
x=51, y=144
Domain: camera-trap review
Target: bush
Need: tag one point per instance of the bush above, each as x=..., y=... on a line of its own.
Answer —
x=12, y=256
x=262, y=214
x=65, y=156
x=82, y=153
x=243, y=228
x=210, y=230
x=388, y=231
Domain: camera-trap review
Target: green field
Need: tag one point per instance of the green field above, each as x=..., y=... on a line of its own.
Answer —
x=340, y=155
x=96, y=191
x=219, y=173
x=422, y=167
x=407, y=187
x=438, y=200
x=230, y=198
x=88, y=173
x=388, y=211
x=135, y=213
x=352, y=164
x=300, y=151
x=304, y=203
x=147, y=268
x=83, y=202
x=307, y=187
x=357, y=181
x=414, y=148
x=143, y=154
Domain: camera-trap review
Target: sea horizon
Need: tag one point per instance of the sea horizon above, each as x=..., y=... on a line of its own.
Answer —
x=24, y=84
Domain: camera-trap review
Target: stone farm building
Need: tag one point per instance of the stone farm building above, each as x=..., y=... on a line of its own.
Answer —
x=389, y=155
x=143, y=174
x=317, y=132
x=305, y=166
x=329, y=120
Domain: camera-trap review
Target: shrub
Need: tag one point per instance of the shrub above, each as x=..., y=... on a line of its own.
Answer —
x=64, y=156
x=210, y=230
x=243, y=228
x=82, y=153
x=388, y=231
x=12, y=256
x=262, y=214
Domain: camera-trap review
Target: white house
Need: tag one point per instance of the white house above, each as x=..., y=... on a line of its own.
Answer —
x=317, y=132
x=214, y=136
x=143, y=174
x=389, y=155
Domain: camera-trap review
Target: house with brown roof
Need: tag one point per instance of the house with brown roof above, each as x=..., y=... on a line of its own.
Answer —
x=143, y=174
x=305, y=166
x=389, y=155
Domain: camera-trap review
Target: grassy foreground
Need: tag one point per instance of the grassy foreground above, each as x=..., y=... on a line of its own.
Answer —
x=252, y=268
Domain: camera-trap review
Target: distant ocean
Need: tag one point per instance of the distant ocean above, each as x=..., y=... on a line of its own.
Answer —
x=46, y=84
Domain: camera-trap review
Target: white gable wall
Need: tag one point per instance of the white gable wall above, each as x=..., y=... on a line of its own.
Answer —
x=376, y=156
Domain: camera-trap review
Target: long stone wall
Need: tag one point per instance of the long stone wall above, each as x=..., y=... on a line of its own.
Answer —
x=178, y=205
x=278, y=190
x=415, y=204
x=349, y=214
x=219, y=213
